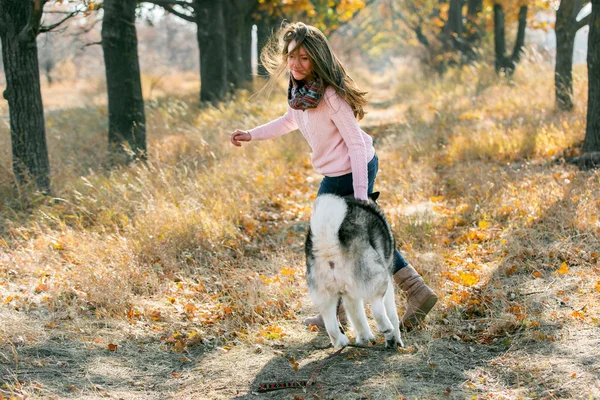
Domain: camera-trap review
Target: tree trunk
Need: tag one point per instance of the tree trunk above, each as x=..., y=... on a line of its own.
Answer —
x=213, y=50
x=503, y=63
x=499, y=39
x=474, y=29
x=126, y=117
x=566, y=28
x=520, y=42
x=453, y=29
x=235, y=32
x=247, y=49
x=565, y=42
x=592, y=131
x=26, y=112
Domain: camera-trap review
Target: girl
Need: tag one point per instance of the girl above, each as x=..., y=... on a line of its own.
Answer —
x=325, y=103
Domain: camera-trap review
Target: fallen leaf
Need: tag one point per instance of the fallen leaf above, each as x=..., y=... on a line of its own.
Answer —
x=42, y=287
x=577, y=315
x=155, y=315
x=294, y=363
x=468, y=278
x=537, y=274
x=112, y=347
x=179, y=346
x=564, y=268
x=190, y=308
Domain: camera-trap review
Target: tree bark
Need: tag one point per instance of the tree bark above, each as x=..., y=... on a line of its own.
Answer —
x=247, y=49
x=126, y=117
x=454, y=27
x=520, y=42
x=235, y=40
x=18, y=31
x=474, y=29
x=592, y=131
x=566, y=28
x=213, y=50
x=499, y=38
x=505, y=64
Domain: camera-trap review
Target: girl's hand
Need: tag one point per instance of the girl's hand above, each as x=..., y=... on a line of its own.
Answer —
x=240, y=136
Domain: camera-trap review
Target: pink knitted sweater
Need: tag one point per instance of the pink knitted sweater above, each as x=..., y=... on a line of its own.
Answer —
x=338, y=144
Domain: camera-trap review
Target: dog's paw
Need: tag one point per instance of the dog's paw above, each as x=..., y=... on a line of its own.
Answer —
x=393, y=341
x=341, y=341
x=365, y=338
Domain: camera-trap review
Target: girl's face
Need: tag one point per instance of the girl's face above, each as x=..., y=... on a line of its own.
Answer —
x=299, y=63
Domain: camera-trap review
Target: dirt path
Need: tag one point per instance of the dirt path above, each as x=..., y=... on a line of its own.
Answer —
x=433, y=365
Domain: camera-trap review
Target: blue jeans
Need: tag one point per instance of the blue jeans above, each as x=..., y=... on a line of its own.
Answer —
x=342, y=186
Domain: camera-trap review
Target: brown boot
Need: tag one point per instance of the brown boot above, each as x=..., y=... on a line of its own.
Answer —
x=317, y=320
x=420, y=298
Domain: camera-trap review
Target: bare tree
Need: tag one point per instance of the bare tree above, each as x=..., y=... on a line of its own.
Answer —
x=209, y=17
x=126, y=117
x=591, y=143
x=566, y=27
x=507, y=63
x=20, y=23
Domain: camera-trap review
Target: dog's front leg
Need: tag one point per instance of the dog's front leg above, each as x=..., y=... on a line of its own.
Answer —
x=329, y=313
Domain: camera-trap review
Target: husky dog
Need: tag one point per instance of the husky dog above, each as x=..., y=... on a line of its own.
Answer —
x=350, y=255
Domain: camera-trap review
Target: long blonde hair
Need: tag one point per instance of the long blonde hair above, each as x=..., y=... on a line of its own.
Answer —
x=326, y=65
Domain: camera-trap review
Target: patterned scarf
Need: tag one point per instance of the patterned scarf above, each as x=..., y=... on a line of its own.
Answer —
x=305, y=94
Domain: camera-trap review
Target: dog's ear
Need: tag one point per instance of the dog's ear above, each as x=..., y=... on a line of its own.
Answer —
x=374, y=196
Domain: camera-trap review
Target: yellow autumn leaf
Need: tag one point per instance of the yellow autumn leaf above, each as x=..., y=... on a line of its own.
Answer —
x=597, y=287
x=272, y=332
x=483, y=224
x=577, y=315
x=564, y=268
x=468, y=278
x=190, y=308
x=287, y=271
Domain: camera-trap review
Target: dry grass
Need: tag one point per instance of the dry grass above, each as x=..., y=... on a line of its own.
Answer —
x=201, y=248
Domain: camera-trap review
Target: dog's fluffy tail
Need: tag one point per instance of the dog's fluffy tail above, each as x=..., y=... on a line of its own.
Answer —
x=327, y=217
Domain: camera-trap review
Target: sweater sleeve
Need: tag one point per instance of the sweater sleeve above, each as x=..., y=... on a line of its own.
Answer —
x=342, y=116
x=275, y=128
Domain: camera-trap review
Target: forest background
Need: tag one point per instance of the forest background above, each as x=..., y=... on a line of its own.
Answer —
x=168, y=264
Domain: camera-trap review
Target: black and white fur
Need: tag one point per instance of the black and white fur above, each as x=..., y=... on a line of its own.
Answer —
x=350, y=255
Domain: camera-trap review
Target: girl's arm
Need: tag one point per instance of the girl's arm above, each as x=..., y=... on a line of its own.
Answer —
x=342, y=116
x=275, y=128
